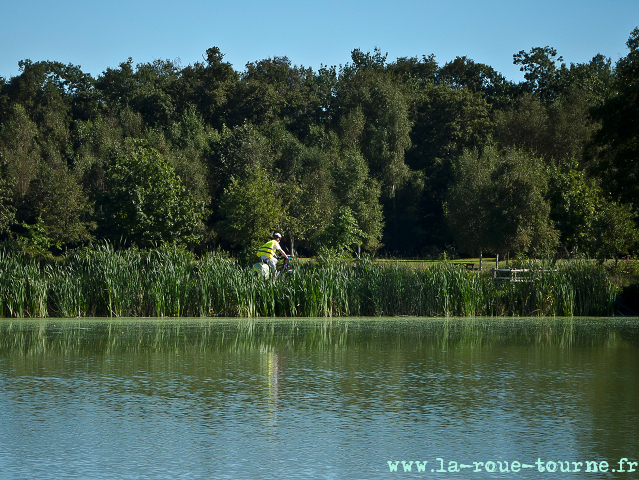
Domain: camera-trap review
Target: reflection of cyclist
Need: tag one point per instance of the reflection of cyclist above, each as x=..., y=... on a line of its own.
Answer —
x=267, y=252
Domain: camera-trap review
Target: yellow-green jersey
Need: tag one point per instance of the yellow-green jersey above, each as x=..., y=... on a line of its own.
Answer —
x=268, y=249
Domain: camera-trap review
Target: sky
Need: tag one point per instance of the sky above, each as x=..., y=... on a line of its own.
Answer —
x=97, y=35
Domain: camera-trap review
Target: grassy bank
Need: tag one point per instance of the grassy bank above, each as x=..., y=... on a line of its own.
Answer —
x=172, y=282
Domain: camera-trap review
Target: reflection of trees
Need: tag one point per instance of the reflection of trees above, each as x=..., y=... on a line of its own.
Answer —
x=206, y=354
x=472, y=370
x=135, y=336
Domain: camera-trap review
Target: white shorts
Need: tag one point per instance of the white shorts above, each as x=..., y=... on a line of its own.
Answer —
x=271, y=262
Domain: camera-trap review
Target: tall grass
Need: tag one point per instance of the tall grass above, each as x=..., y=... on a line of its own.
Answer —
x=172, y=282
x=23, y=287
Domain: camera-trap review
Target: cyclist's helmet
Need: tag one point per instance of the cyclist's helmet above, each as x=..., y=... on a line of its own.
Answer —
x=277, y=235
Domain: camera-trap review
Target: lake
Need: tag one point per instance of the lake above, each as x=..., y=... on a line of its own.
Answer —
x=349, y=398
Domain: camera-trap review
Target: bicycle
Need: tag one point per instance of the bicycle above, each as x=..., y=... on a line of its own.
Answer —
x=285, y=270
x=261, y=269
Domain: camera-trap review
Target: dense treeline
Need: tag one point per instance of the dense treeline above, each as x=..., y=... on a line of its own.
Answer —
x=407, y=157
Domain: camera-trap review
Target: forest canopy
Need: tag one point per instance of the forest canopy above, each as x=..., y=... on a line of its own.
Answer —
x=406, y=157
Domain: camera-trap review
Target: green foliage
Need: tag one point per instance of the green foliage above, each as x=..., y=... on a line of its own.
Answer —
x=497, y=203
x=190, y=142
x=251, y=209
x=64, y=207
x=446, y=122
x=523, y=125
x=595, y=77
x=145, y=202
x=343, y=234
x=375, y=116
x=540, y=71
x=361, y=194
x=7, y=210
x=238, y=152
x=464, y=73
x=209, y=86
x=149, y=89
x=273, y=90
x=35, y=242
x=588, y=221
x=383, y=138
x=307, y=194
x=415, y=71
x=615, y=229
x=560, y=131
x=574, y=205
x=618, y=137
x=18, y=148
x=519, y=210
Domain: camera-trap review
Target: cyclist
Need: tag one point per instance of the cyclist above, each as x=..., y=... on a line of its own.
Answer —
x=268, y=252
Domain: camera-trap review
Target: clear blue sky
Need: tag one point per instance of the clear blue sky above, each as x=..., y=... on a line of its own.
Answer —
x=98, y=34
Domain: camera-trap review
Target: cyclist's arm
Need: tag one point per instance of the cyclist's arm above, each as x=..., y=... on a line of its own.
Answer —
x=282, y=251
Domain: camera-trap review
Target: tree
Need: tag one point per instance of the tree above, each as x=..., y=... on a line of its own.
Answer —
x=251, y=209
x=596, y=78
x=574, y=202
x=145, y=201
x=496, y=203
x=19, y=149
x=56, y=198
x=446, y=122
x=307, y=193
x=519, y=210
x=411, y=69
x=560, y=127
x=467, y=206
x=209, y=86
x=236, y=153
x=7, y=210
x=408, y=227
x=465, y=73
x=152, y=90
x=273, y=90
x=49, y=94
x=540, y=71
x=355, y=189
x=618, y=137
x=156, y=92
x=587, y=219
x=321, y=89
x=524, y=125
x=190, y=142
x=374, y=113
x=616, y=232
x=343, y=234
x=570, y=125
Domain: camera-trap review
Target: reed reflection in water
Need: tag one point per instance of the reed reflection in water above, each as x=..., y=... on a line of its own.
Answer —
x=314, y=398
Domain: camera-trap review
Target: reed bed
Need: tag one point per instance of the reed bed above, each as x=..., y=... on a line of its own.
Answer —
x=172, y=282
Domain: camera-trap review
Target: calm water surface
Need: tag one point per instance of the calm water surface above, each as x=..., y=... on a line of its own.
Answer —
x=315, y=399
